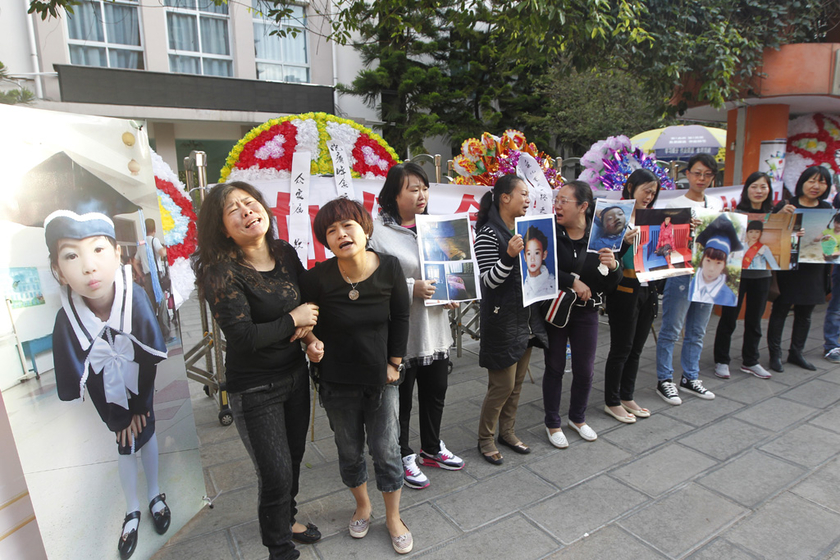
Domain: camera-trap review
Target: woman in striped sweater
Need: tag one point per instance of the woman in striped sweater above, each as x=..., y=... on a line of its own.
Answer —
x=508, y=330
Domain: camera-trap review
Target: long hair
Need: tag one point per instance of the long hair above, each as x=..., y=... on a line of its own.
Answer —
x=640, y=177
x=745, y=205
x=504, y=185
x=824, y=173
x=394, y=182
x=214, y=246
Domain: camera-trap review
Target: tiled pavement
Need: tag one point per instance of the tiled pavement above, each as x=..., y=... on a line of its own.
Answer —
x=754, y=473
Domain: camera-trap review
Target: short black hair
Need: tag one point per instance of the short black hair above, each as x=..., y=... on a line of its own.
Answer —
x=705, y=159
x=823, y=172
x=757, y=225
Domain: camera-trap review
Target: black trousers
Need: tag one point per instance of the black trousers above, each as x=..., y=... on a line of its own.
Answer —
x=432, y=382
x=756, y=291
x=631, y=316
x=801, y=326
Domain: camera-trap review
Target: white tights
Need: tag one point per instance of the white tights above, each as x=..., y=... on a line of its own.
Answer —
x=127, y=465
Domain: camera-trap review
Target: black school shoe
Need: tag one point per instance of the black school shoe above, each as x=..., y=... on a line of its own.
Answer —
x=311, y=535
x=128, y=543
x=163, y=518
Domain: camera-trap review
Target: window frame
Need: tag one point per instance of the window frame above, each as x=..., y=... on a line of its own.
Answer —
x=259, y=18
x=105, y=44
x=197, y=14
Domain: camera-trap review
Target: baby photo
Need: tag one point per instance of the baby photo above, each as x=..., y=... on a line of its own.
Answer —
x=536, y=261
x=718, y=258
x=609, y=224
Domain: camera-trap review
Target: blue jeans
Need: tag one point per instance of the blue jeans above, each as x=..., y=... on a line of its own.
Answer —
x=272, y=422
x=831, y=326
x=679, y=310
x=354, y=410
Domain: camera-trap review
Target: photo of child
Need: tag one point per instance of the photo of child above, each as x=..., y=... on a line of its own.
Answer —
x=609, y=224
x=663, y=249
x=107, y=340
x=830, y=240
x=536, y=261
x=716, y=281
x=757, y=255
x=820, y=238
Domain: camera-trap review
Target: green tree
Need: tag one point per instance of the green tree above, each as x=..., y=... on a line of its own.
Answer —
x=13, y=96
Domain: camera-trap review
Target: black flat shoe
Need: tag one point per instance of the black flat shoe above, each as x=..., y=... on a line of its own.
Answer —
x=520, y=448
x=128, y=542
x=163, y=517
x=776, y=364
x=494, y=459
x=799, y=360
x=311, y=535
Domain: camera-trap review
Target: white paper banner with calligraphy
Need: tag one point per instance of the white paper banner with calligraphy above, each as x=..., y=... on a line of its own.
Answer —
x=299, y=230
x=341, y=171
x=542, y=200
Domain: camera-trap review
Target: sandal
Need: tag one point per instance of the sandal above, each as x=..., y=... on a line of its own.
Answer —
x=311, y=535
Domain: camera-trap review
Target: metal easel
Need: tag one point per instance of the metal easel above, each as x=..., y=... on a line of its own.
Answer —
x=211, y=346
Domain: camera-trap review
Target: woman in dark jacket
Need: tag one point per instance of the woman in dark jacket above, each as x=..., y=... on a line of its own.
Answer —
x=590, y=276
x=803, y=288
x=631, y=308
x=508, y=330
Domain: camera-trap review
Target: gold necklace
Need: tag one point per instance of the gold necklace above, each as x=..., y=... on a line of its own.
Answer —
x=354, y=293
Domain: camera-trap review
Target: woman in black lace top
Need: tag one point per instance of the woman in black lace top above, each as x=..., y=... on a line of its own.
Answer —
x=250, y=280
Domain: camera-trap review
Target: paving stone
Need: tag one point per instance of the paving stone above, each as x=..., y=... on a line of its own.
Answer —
x=494, y=541
x=584, y=508
x=682, y=520
x=222, y=452
x=815, y=393
x=663, y=469
x=830, y=419
x=233, y=475
x=726, y=438
x=751, y=389
x=832, y=377
x=441, y=483
x=647, y=434
x=458, y=392
x=698, y=412
x=752, y=478
x=822, y=487
x=494, y=498
x=775, y=413
x=787, y=527
x=721, y=548
x=578, y=462
x=807, y=445
x=465, y=413
x=609, y=542
x=214, y=546
x=229, y=509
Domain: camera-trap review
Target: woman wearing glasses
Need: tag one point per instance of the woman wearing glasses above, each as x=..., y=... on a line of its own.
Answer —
x=590, y=276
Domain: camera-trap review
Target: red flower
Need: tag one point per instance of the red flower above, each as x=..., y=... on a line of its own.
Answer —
x=361, y=166
x=248, y=156
x=186, y=247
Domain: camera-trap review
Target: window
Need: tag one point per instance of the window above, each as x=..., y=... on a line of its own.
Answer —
x=280, y=59
x=199, y=37
x=105, y=33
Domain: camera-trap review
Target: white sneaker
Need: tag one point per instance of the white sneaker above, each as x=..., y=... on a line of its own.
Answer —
x=557, y=439
x=722, y=371
x=413, y=477
x=584, y=431
x=833, y=356
x=695, y=387
x=668, y=391
x=757, y=370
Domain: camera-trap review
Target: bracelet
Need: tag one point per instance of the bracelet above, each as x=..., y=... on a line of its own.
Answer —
x=393, y=365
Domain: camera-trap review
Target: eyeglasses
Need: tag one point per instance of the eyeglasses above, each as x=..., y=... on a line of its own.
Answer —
x=563, y=201
x=700, y=174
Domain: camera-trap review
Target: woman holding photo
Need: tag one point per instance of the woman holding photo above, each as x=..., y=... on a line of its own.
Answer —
x=804, y=288
x=755, y=284
x=590, y=276
x=631, y=308
x=508, y=330
x=404, y=195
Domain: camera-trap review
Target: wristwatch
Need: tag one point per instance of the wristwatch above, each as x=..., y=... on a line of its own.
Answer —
x=399, y=367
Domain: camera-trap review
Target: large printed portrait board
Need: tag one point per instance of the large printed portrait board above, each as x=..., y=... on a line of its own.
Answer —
x=86, y=369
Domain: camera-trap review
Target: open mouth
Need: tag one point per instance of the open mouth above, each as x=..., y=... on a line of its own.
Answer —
x=344, y=244
x=252, y=222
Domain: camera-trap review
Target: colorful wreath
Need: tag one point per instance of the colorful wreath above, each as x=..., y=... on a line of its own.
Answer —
x=266, y=151
x=812, y=140
x=609, y=162
x=483, y=161
x=178, y=221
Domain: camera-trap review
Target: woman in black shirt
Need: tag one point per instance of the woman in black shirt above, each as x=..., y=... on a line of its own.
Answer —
x=250, y=279
x=364, y=303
